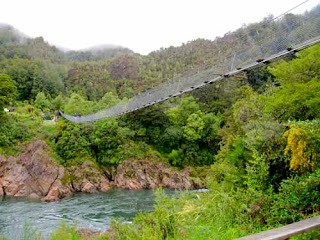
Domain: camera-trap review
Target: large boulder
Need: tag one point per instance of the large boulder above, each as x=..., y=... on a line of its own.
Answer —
x=144, y=174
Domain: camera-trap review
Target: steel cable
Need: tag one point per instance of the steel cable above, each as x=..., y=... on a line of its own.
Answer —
x=295, y=37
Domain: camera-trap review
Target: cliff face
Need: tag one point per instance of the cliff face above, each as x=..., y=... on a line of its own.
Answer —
x=142, y=174
x=34, y=174
x=87, y=178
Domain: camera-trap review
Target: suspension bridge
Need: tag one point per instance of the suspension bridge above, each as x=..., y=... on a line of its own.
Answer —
x=296, y=37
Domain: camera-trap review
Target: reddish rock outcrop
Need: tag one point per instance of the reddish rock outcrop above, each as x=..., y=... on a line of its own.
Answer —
x=35, y=175
x=143, y=174
x=87, y=178
x=53, y=195
x=32, y=174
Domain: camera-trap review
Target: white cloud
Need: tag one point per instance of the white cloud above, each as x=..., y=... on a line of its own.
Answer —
x=142, y=25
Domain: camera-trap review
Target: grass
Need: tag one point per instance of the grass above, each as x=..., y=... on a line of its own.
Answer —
x=191, y=216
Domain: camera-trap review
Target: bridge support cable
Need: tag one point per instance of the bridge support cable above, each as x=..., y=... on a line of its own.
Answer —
x=241, y=57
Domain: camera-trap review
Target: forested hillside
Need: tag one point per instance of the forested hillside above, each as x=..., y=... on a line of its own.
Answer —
x=252, y=139
x=92, y=73
x=98, y=53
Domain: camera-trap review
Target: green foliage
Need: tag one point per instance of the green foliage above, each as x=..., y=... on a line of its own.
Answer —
x=179, y=115
x=190, y=132
x=17, y=128
x=297, y=198
x=12, y=132
x=193, y=130
x=106, y=142
x=295, y=77
x=74, y=141
x=175, y=158
x=92, y=80
x=301, y=105
x=34, y=76
x=14, y=44
x=9, y=36
x=191, y=216
x=29, y=233
x=257, y=177
x=172, y=137
x=21, y=72
x=300, y=70
x=247, y=107
x=58, y=103
x=97, y=54
x=78, y=105
x=259, y=78
x=265, y=138
x=240, y=128
x=65, y=232
x=108, y=100
x=42, y=102
x=111, y=143
x=224, y=176
x=237, y=153
x=8, y=91
x=310, y=235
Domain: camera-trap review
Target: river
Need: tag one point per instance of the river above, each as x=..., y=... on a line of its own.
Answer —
x=94, y=211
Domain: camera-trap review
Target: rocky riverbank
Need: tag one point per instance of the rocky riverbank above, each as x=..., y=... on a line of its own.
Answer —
x=144, y=174
x=34, y=174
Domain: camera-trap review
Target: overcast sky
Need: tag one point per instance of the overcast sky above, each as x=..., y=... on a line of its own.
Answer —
x=141, y=25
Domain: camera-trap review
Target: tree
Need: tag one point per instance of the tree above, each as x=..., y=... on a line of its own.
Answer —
x=8, y=91
x=300, y=70
x=108, y=100
x=180, y=114
x=58, y=102
x=303, y=142
x=42, y=102
x=193, y=130
x=78, y=105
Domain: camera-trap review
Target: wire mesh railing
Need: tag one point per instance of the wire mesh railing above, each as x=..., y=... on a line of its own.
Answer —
x=277, y=38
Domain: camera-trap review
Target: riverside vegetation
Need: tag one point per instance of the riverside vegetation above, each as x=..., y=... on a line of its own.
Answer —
x=253, y=140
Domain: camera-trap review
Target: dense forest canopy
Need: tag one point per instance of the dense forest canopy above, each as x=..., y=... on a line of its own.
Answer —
x=94, y=72
x=98, y=53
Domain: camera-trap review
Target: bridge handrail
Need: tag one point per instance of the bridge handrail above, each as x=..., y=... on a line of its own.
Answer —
x=287, y=231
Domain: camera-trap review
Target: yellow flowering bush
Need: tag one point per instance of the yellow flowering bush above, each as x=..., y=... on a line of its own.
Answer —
x=303, y=140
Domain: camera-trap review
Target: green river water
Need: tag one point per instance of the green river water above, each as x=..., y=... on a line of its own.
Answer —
x=94, y=211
